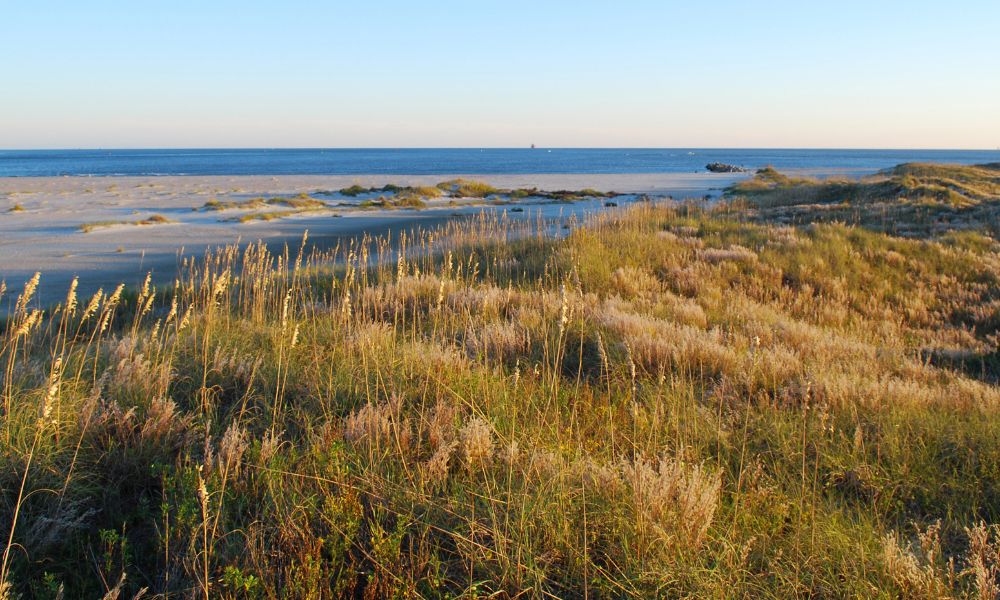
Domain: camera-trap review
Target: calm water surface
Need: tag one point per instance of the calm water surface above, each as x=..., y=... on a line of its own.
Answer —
x=487, y=161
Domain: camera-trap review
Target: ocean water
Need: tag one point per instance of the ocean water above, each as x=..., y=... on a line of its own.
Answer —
x=486, y=161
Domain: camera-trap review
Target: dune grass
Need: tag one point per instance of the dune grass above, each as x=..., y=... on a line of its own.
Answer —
x=424, y=191
x=669, y=401
x=151, y=220
x=273, y=215
x=391, y=195
x=302, y=200
x=402, y=200
x=910, y=199
x=354, y=191
x=266, y=216
x=216, y=204
x=560, y=195
x=467, y=188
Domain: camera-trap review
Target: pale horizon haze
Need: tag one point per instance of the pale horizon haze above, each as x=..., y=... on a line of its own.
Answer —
x=500, y=74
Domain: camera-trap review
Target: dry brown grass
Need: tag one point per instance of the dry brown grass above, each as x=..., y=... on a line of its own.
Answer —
x=666, y=401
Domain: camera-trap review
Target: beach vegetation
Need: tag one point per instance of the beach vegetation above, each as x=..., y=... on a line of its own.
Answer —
x=466, y=188
x=664, y=400
x=272, y=215
x=409, y=200
x=302, y=200
x=405, y=199
x=424, y=191
x=354, y=191
x=390, y=189
x=216, y=204
x=299, y=201
x=150, y=220
x=557, y=195
x=910, y=199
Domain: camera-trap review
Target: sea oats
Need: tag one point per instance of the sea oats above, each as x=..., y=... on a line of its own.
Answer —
x=92, y=305
x=173, y=310
x=71, y=299
x=52, y=393
x=346, y=305
x=185, y=320
x=711, y=427
x=154, y=333
x=147, y=306
x=440, y=297
x=116, y=296
x=29, y=291
x=563, y=308
x=284, y=310
x=28, y=323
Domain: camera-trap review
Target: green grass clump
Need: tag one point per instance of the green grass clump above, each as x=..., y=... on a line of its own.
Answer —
x=372, y=203
x=302, y=200
x=272, y=215
x=405, y=199
x=425, y=191
x=399, y=191
x=409, y=200
x=558, y=195
x=216, y=204
x=665, y=401
x=466, y=188
x=354, y=191
x=151, y=220
x=575, y=195
x=266, y=216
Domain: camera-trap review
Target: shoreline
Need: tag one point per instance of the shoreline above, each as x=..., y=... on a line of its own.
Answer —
x=85, y=226
x=627, y=182
x=74, y=226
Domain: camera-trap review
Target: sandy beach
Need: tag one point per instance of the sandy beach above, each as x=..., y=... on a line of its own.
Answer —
x=41, y=217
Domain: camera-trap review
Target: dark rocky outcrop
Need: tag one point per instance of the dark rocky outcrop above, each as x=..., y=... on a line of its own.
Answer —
x=718, y=167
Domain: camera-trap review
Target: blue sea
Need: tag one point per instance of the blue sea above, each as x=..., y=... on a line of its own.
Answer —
x=429, y=161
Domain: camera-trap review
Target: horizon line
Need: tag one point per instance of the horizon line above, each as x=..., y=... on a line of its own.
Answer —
x=796, y=148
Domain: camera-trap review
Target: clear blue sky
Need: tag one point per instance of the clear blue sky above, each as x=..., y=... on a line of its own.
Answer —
x=215, y=73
